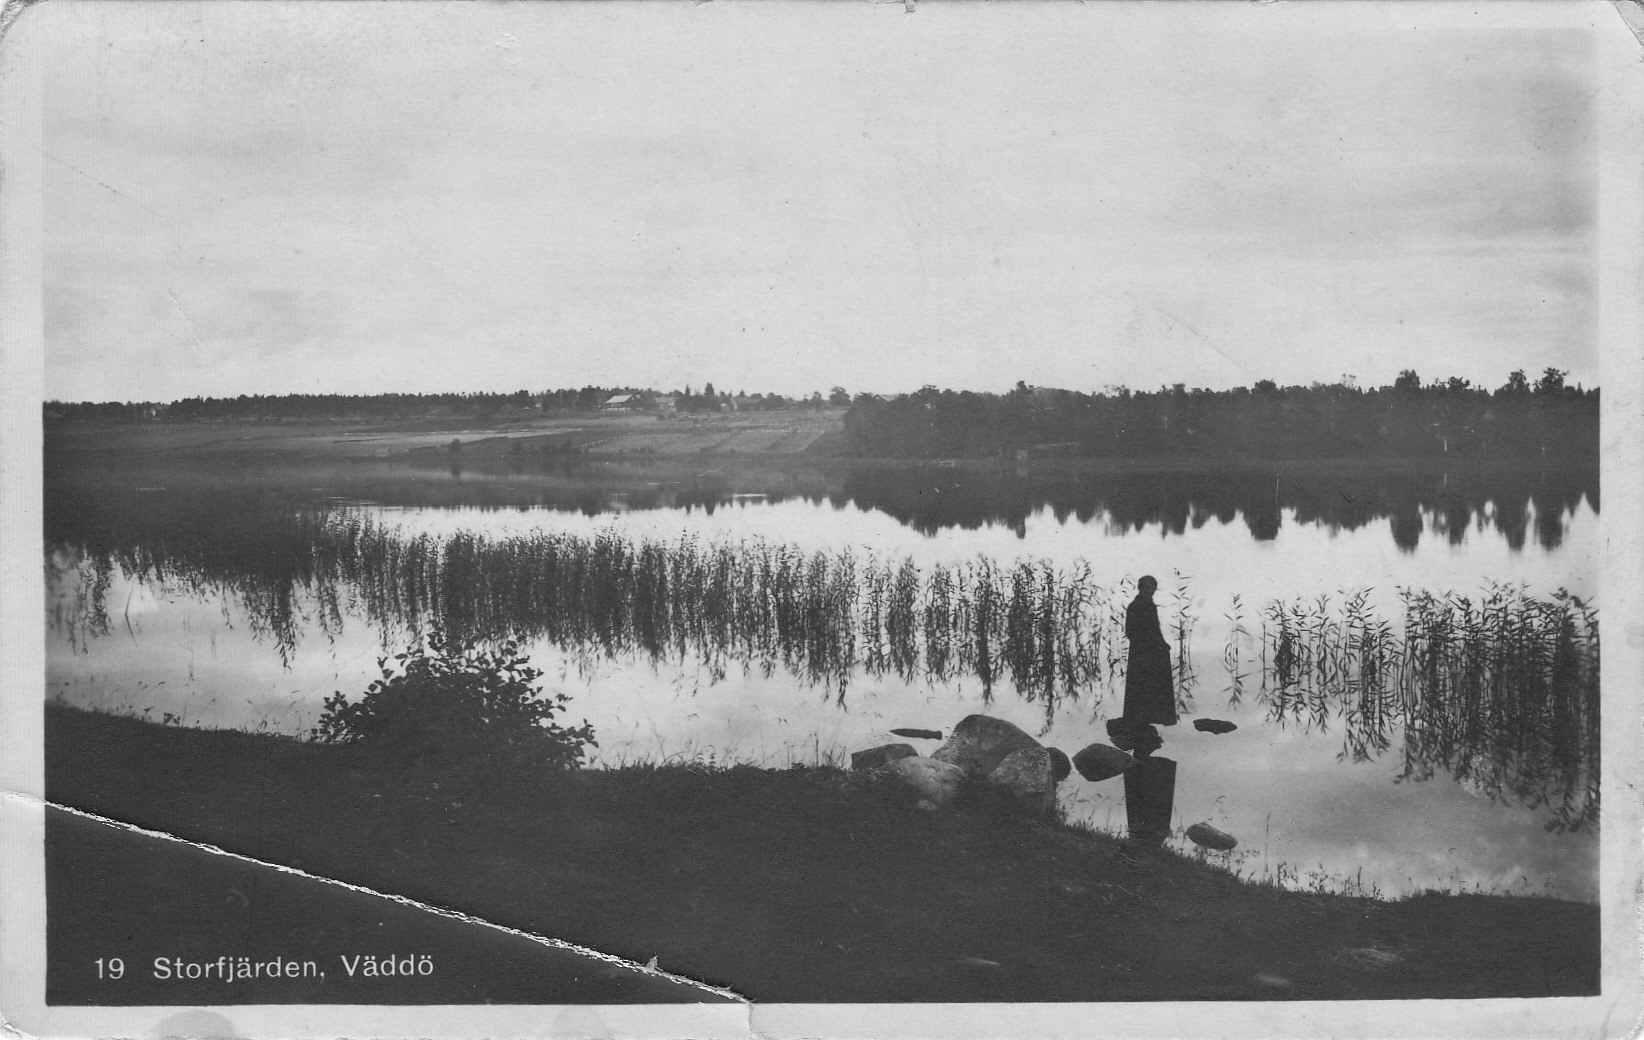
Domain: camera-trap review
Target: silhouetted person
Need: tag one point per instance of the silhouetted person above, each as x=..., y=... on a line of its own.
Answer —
x=1150, y=696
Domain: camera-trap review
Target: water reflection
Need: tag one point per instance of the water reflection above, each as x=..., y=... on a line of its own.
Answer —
x=1502, y=693
x=88, y=503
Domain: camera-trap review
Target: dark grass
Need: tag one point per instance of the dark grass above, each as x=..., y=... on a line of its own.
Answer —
x=801, y=885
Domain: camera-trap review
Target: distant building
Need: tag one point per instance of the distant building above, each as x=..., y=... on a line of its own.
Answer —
x=622, y=403
x=667, y=403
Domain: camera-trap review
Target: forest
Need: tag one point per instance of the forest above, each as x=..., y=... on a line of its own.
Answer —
x=1409, y=419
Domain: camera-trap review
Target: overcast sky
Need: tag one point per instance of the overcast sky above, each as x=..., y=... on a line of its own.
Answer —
x=787, y=196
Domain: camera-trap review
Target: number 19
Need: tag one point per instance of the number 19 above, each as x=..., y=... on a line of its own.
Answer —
x=113, y=968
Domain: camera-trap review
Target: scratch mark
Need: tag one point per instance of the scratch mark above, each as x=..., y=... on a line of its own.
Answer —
x=406, y=901
x=656, y=188
x=103, y=184
x=1205, y=340
x=177, y=307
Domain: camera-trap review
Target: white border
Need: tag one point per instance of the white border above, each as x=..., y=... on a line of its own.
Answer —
x=1617, y=1013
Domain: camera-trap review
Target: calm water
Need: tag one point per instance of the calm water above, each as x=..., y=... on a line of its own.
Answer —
x=221, y=636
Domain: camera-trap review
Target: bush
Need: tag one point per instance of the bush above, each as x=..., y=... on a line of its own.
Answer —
x=443, y=704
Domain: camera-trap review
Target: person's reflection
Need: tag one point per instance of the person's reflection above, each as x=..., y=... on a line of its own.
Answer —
x=1150, y=796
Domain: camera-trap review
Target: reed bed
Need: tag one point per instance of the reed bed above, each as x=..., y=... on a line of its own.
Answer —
x=1501, y=691
x=826, y=618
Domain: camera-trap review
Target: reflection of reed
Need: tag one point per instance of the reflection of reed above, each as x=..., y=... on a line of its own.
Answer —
x=1502, y=693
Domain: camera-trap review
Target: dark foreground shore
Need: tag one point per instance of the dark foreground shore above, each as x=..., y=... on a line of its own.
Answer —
x=800, y=885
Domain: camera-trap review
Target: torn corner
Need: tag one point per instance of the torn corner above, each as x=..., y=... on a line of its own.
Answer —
x=1632, y=15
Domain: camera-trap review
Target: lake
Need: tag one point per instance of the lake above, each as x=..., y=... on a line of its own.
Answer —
x=792, y=612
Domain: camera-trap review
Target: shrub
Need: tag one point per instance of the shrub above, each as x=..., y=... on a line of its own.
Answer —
x=442, y=704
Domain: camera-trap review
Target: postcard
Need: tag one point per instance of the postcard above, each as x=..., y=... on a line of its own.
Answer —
x=799, y=519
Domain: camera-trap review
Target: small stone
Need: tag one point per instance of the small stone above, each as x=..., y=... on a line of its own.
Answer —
x=925, y=805
x=1208, y=837
x=1059, y=763
x=1213, y=726
x=919, y=734
x=1029, y=775
x=935, y=782
x=1099, y=761
x=980, y=742
x=884, y=755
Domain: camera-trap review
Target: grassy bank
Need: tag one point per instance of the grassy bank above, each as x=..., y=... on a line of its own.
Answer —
x=796, y=885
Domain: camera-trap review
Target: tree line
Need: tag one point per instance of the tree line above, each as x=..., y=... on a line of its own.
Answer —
x=414, y=406
x=1545, y=418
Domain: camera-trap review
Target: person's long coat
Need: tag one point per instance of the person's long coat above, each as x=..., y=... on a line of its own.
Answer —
x=1150, y=695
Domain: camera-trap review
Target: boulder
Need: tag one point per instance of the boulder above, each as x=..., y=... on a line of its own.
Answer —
x=1029, y=775
x=935, y=782
x=884, y=755
x=1098, y=762
x=1059, y=763
x=1208, y=837
x=920, y=734
x=980, y=742
x=1213, y=726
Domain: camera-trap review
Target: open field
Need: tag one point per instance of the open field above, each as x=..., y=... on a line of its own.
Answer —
x=770, y=433
x=791, y=885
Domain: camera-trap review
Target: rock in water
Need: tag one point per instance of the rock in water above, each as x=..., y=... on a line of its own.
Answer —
x=1213, y=726
x=1122, y=733
x=1208, y=837
x=884, y=755
x=1147, y=742
x=921, y=734
x=1059, y=763
x=980, y=742
x=935, y=782
x=1098, y=762
x=1029, y=775
x=1140, y=738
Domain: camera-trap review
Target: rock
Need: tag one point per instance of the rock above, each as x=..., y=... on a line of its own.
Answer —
x=980, y=742
x=1147, y=742
x=1029, y=775
x=873, y=758
x=1213, y=726
x=1059, y=763
x=935, y=782
x=921, y=734
x=1098, y=762
x=1122, y=733
x=1208, y=837
x=1139, y=738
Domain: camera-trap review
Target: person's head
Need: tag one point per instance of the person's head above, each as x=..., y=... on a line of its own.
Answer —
x=1146, y=584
